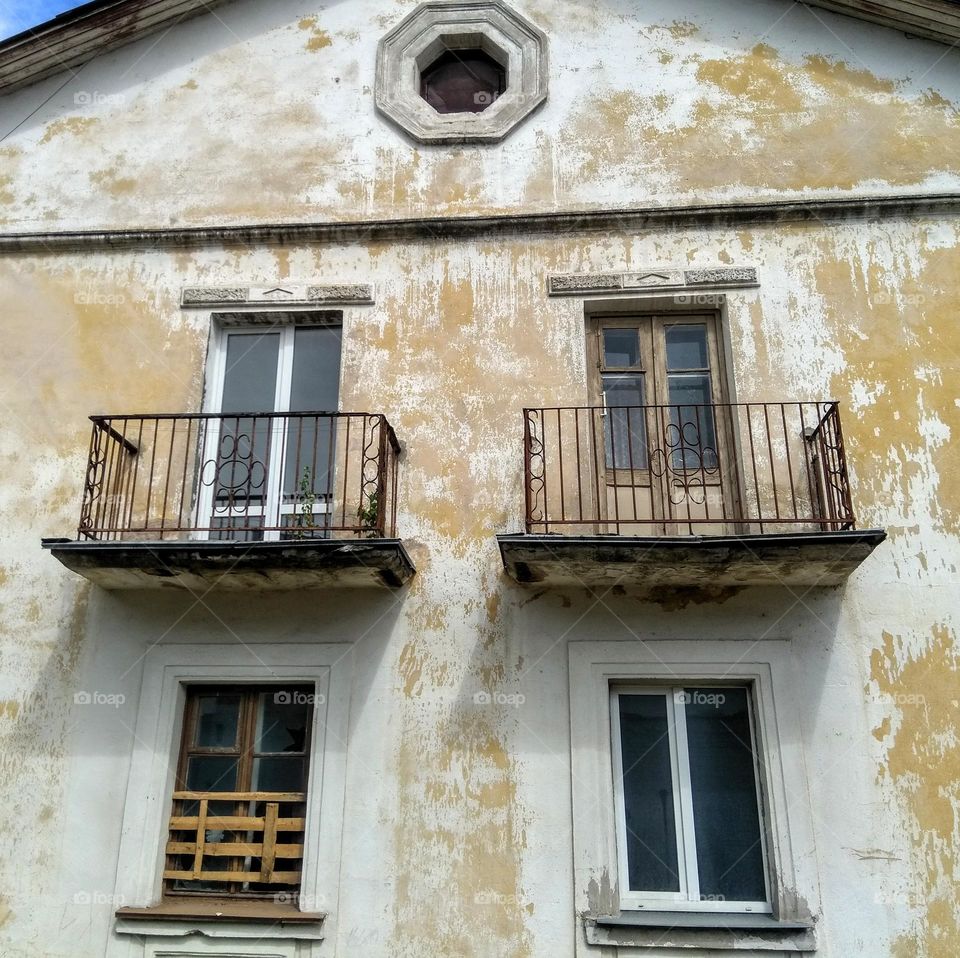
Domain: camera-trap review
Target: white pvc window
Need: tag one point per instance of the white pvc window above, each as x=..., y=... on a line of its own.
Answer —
x=688, y=803
x=259, y=467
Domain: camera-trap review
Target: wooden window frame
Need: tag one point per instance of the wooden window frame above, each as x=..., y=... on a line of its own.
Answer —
x=688, y=897
x=651, y=326
x=245, y=751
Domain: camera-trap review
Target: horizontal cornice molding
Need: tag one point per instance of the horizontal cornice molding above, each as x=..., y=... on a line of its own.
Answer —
x=70, y=40
x=824, y=211
x=931, y=19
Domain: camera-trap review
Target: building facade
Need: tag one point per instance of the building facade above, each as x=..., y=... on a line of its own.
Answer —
x=479, y=480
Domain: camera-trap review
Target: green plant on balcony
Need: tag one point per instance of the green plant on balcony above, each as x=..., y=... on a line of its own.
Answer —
x=369, y=515
x=304, y=518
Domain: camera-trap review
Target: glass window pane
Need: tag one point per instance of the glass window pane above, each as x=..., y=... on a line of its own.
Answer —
x=250, y=379
x=308, y=476
x=211, y=773
x=278, y=775
x=310, y=442
x=689, y=388
x=316, y=369
x=648, y=794
x=282, y=721
x=725, y=808
x=620, y=348
x=686, y=347
x=217, y=720
x=625, y=389
x=236, y=528
x=692, y=433
x=242, y=463
x=625, y=428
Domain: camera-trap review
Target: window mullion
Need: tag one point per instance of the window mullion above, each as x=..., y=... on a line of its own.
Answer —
x=684, y=795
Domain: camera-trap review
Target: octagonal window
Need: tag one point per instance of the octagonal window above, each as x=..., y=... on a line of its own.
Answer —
x=461, y=71
x=463, y=81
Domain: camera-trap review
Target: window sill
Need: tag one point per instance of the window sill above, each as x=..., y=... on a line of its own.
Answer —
x=673, y=930
x=221, y=918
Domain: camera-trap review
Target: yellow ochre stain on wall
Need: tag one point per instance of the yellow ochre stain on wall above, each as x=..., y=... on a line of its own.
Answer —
x=476, y=861
x=319, y=39
x=892, y=331
x=410, y=667
x=71, y=125
x=923, y=764
x=763, y=122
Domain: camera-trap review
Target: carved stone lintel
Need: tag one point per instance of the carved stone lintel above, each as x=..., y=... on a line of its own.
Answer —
x=284, y=294
x=592, y=281
x=360, y=293
x=654, y=278
x=203, y=295
x=745, y=276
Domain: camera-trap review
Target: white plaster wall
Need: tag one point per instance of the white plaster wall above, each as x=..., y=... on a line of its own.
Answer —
x=261, y=112
x=448, y=803
x=421, y=657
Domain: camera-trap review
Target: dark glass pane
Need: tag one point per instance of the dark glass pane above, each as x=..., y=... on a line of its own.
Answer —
x=308, y=477
x=305, y=523
x=686, y=347
x=211, y=773
x=282, y=720
x=462, y=81
x=237, y=528
x=242, y=463
x=725, y=808
x=624, y=389
x=689, y=389
x=217, y=720
x=620, y=348
x=625, y=429
x=310, y=441
x=648, y=794
x=278, y=774
x=692, y=432
x=316, y=369
x=250, y=379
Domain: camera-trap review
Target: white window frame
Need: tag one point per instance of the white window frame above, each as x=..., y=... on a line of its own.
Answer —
x=688, y=897
x=767, y=667
x=168, y=670
x=259, y=324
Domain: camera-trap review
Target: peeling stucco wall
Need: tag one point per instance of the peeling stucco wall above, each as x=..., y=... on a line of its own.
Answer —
x=456, y=830
x=668, y=102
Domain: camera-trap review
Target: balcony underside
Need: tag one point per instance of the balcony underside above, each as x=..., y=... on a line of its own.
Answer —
x=648, y=563
x=237, y=566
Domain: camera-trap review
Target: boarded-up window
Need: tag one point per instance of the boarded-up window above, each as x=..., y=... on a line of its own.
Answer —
x=237, y=824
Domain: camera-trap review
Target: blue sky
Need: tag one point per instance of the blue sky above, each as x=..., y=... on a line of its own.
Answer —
x=18, y=15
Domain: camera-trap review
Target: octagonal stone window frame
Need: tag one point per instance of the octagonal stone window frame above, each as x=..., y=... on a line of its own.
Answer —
x=435, y=27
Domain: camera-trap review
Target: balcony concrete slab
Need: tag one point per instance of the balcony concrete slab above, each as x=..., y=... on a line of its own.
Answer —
x=237, y=566
x=656, y=562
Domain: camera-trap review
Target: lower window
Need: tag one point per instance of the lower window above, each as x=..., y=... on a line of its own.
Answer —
x=237, y=824
x=688, y=802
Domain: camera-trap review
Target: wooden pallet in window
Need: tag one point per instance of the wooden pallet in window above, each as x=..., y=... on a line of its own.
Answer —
x=253, y=832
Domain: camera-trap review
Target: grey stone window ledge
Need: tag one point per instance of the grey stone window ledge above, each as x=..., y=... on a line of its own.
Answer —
x=219, y=918
x=700, y=930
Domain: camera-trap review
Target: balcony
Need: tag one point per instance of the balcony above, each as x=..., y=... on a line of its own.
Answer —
x=239, y=500
x=725, y=494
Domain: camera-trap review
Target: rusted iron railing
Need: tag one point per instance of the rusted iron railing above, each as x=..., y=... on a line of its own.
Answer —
x=717, y=469
x=240, y=476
